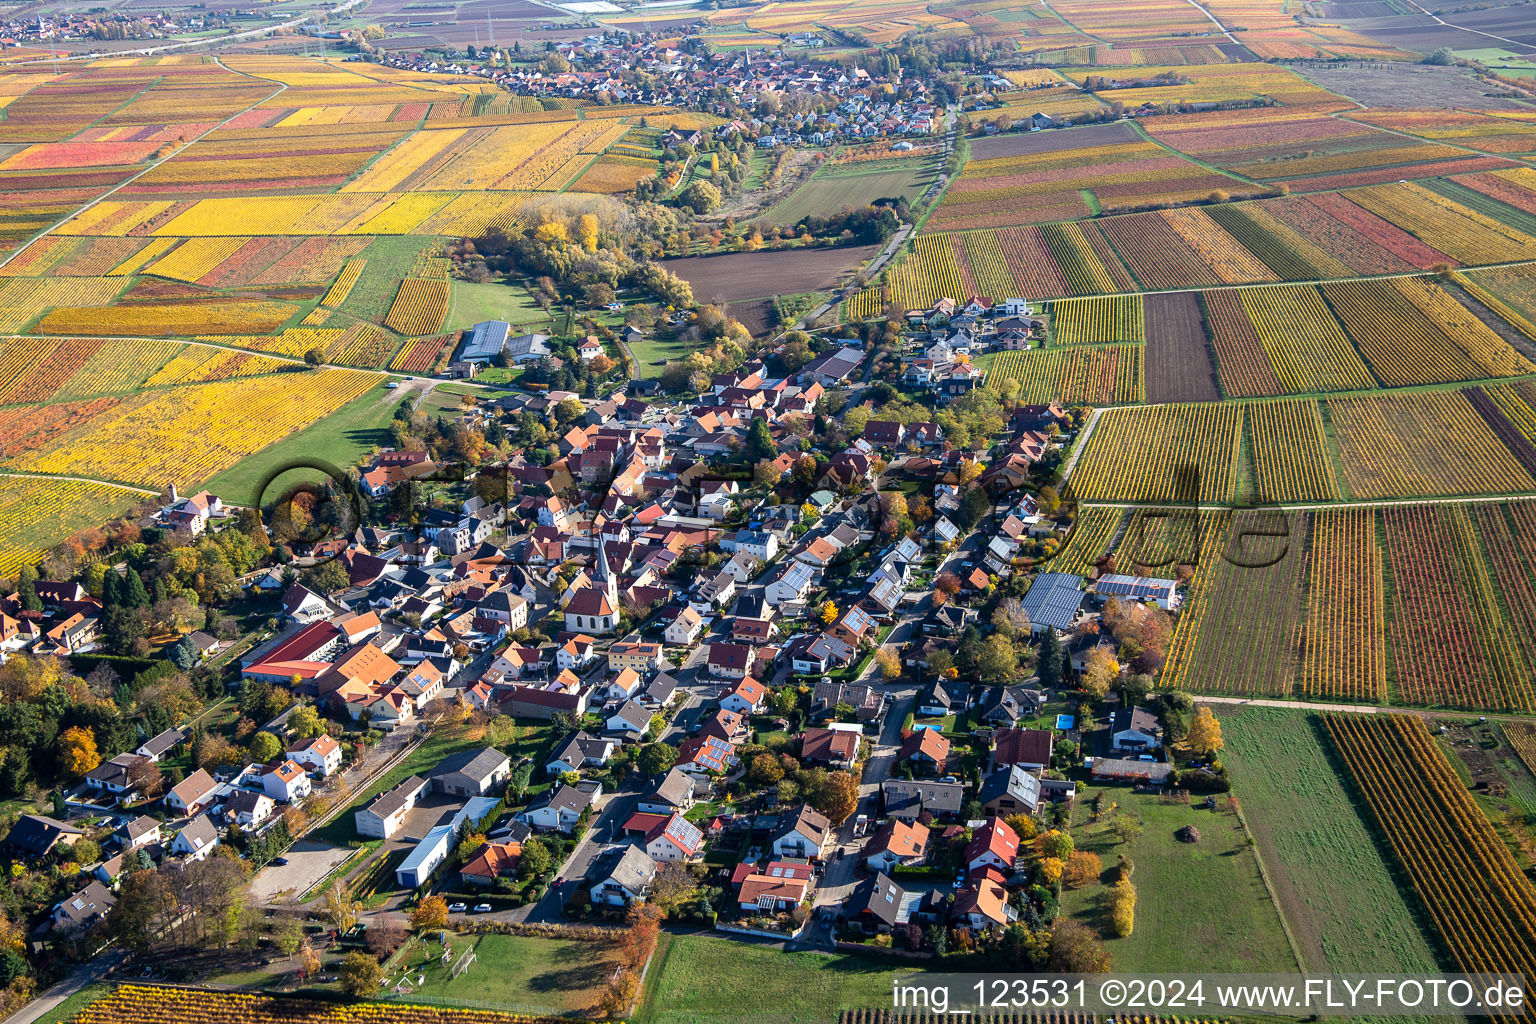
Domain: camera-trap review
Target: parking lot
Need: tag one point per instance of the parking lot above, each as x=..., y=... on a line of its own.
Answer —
x=309, y=861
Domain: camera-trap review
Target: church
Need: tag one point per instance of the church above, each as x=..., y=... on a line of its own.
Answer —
x=595, y=608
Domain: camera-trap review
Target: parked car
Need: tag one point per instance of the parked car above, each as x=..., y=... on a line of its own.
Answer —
x=457, y=908
x=281, y=862
x=482, y=908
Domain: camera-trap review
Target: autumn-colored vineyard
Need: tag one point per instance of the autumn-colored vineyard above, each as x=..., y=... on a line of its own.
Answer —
x=150, y=1004
x=1481, y=904
x=419, y=307
x=1344, y=655
x=1161, y=454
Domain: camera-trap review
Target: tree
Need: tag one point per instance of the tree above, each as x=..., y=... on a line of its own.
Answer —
x=264, y=747
x=1051, y=869
x=309, y=960
x=146, y=778
x=999, y=662
x=672, y=886
x=1205, y=732
x=535, y=859
x=522, y=778
x=1101, y=671
x=360, y=975
x=701, y=197
x=1010, y=618
x=304, y=723
x=1442, y=57
x=1122, y=907
x=386, y=933
x=1126, y=828
x=288, y=933
x=339, y=910
x=1083, y=868
x=760, y=443
x=656, y=758
x=133, y=592
x=1056, y=843
x=889, y=662
x=1052, y=657
x=1023, y=826
x=430, y=913
x=828, y=613
x=765, y=770
x=1076, y=949
x=947, y=583
x=314, y=357
x=839, y=797
x=77, y=751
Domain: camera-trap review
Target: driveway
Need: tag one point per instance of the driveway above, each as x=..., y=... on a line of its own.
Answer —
x=605, y=826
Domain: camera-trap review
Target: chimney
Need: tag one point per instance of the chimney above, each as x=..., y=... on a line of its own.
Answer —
x=174, y=498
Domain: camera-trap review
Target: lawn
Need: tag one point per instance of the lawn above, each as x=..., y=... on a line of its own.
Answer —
x=1198, y=904
x=340, y=439
x=827, y=193
x=1335, y=889
x=470, y=303
x=532, y=975
x=707, y=980
x=75, y=1003
x=651, y=350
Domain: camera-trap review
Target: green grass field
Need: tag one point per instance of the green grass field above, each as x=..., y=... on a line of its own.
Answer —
x=538, y=976
x=707, y=980
x=469, y=304
x=390, y=259
x=649, y=351
x=1335, y=889
x=340, y=439
x=1197, y=903
x=828, y=193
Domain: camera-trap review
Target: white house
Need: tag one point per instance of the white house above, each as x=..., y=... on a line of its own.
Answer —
x=192, y=794
x=197, y=839
x=792, y=583
x=284, y=781
x=684, y=629
x=624, y=878
x=321, y=754
x=804, y=835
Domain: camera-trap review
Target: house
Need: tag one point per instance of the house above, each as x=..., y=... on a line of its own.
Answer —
x=731, y=661
x=747, y=696
x=926, y=749
x=490, y=862
x=304, y=606
x=771, y=892
x=1135, y=730
x=1163, y=593
x=884, y=433
x=982, y=905
x=246, y=808
x=439, y=842
x=384, y=815
x=192, y=514
x=581, y=750
x=803, y=834
x=1029, y=749
x=674, y=794
x=791, y=583
x=703, y=754
x=832, y=748
x=192, y=794
x=1008, y=791
x=994, y=845
x=896, y=842
x=576, y=653
x=36, y=835
x=505, y=607
x=684, y=628
x=666, y=837
x=559, y=810
x=83, y=910
x=114, y=776
x=158, y=746
x=640, y=657
x=832, y=367
x=909, y=798
x=877, y=904
x=630, y=722
x=141, y=831
x=471, y=772
x=1005, y=705
x=321, y=754
x=943, y=697
x=197, y=838
x=623, y=877
x=284, y=781
x=657, y=693
x=1053, y=601
x=759, y=544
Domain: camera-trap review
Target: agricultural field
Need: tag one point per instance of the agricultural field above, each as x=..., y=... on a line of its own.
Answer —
x=37, y=513
x=1428, y=819
x=148, y=1004
x=1239, y=629
x=837, y=186
x=1094, y=375
x=1093, y=533
x=1178, y=453
x=1344, y=656
x=1334, y=885
x=1099, y=320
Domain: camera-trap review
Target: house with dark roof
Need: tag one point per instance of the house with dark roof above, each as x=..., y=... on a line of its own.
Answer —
x=803, y=834
x=1053, y=601
x=83, y=910
x=1009, y=791
x=579, y=751
x=673, y=794
x=158, y=746
x=471, y=772
x=831, y=748
x=1135, y=730
x=622, y=877
x=37, y=835
x=877, y=904
x=909, y=798
x=1029, y=749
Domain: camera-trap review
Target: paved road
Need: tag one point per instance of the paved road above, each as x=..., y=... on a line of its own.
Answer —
x=91, y=971
x=615, y=811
